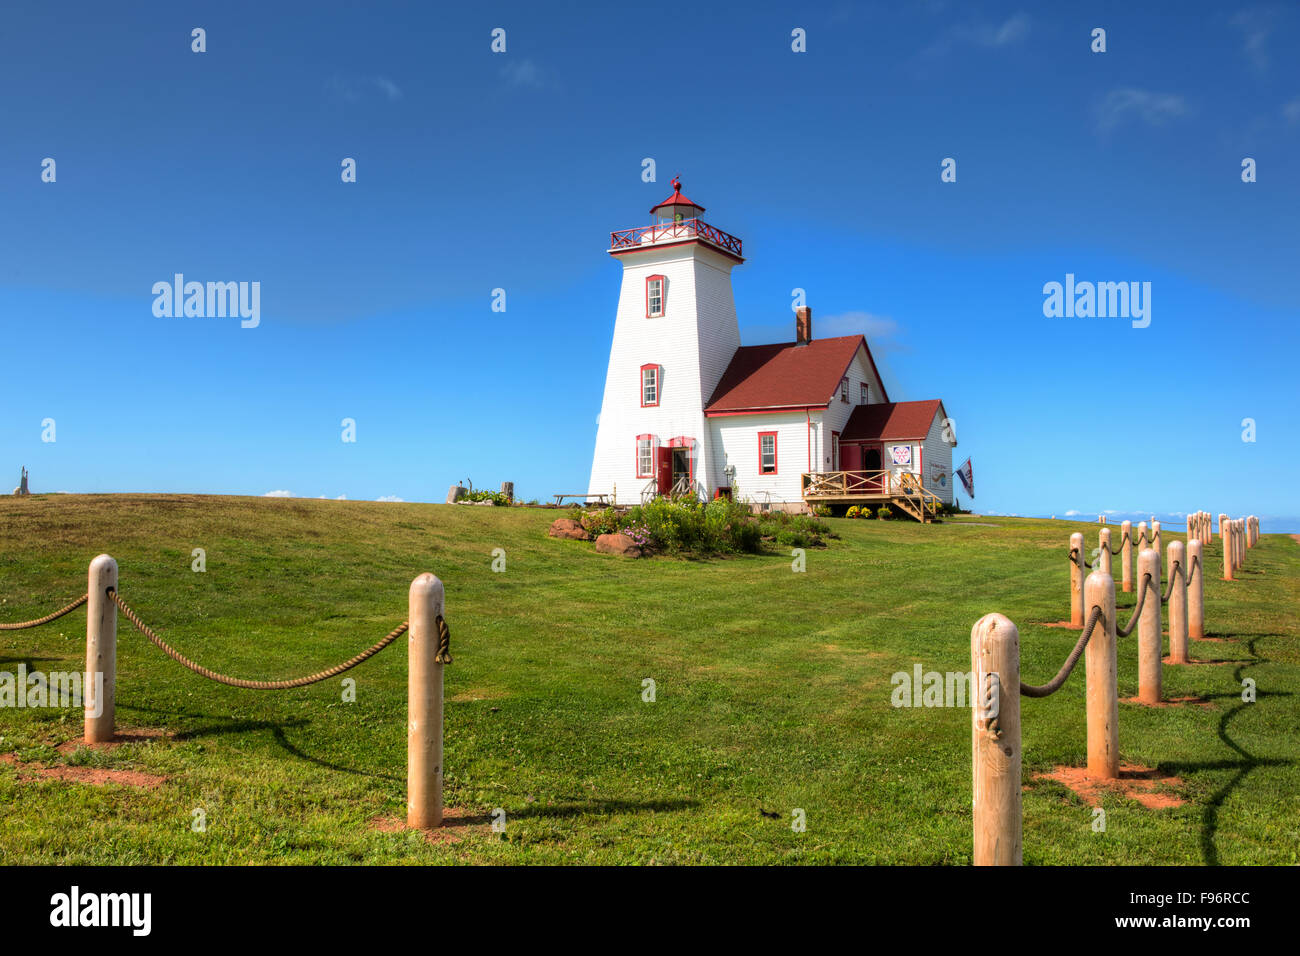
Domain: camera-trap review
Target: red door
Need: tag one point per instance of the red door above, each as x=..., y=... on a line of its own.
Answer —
x=850, y=457
x=664, y=471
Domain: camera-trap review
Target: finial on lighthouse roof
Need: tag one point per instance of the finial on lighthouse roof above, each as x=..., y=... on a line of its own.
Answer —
x=678, y=204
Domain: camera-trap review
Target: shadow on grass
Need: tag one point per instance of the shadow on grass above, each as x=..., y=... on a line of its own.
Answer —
x=1247, y=763
x=222, y=727
x=585, y=808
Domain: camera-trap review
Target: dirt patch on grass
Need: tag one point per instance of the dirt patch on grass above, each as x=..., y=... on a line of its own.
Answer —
x=1197, y=660
x=1171, y=702
x=95, y=776
x=1216, y=640
x=1142, y=784
x=456, y=825
x=129, y=735
x=1065, y=624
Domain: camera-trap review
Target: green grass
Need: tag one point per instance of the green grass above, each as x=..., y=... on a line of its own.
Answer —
x=773, y=693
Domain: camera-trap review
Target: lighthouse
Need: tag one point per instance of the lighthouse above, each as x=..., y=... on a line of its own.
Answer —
x=690, y=412
x=675, y=332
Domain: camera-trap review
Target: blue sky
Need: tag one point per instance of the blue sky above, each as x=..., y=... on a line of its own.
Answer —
x=479, y=170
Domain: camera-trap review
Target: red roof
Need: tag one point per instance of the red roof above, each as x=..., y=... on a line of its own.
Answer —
x=891, y=420
x=677, y=199
x=785, y=375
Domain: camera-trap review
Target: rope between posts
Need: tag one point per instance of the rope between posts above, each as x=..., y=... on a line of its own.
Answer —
x=1055, y=684
x=1123, y=538
x=443, y=655
x=1137, y=610
x=1173, y=576
x=47, y=618
x=1074, y=556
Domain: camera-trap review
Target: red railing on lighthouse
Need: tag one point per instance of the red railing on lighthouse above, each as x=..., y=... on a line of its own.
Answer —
x=668, y=231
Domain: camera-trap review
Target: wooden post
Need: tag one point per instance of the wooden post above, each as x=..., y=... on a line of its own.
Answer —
x=424, y=705
x=1195, y=590
x=1103, y=551
x=1149, y=637
x=1076, y=579
x=101, y=652
x=1225, y=538
x=1239, y=535
x=996, y=760
x=1178, y=603
x=1223, y=528
x=1126, y=554
x=1102, y=675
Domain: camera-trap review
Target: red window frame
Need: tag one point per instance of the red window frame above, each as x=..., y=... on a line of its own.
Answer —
x=844, y=390
x=761, y=436
x=659, y=374
x=636, y=451
x=663, y=296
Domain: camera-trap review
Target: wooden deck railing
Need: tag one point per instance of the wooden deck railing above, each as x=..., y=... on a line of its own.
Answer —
x=831, y=484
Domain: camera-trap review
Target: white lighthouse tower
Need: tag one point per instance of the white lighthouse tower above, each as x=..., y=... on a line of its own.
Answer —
x=674, y=334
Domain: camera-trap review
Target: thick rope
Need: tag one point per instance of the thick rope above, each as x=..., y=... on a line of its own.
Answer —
x=1074, y=556
x=1173, y=576
x=47, y=618
x=1055, y=684
x=1126, y=537
x=1137, y=610
x=444, y=642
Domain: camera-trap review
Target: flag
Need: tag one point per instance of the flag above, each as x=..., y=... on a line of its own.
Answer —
x=967, y=475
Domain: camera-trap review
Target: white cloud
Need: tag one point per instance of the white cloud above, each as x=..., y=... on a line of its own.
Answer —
x=1256, y=25
x=354, y=89
x=1150, y=107
x=990, y=36
x=278, y=494
x=389, y=498
x=523, y=73
x=1071, y=513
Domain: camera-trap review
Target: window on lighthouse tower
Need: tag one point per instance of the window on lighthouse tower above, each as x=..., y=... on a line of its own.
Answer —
x=649, y=385
x=654, y=297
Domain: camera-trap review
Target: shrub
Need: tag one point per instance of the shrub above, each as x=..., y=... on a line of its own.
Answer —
x=822, y=511
x=496, y=497
x=853, y=512
x=606, y=521
x=866, y=512
x=885, y=513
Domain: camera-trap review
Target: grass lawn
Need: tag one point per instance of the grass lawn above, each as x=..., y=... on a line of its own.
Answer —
x=773, y=693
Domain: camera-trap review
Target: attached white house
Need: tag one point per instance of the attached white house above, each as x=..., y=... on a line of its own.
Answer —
x=689, y=410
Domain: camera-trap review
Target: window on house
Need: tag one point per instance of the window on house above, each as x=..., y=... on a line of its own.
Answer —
x=649, y=385
x=645, y=456
x=654, y=297
x=864, y=393
x=844, y=389
x=767, y=453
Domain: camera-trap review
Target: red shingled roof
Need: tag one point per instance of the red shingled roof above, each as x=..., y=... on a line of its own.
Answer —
x=677, y=199
x=891, y=420
x=785, y=375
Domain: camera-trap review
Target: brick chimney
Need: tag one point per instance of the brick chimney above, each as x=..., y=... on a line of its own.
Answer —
x=802, y=325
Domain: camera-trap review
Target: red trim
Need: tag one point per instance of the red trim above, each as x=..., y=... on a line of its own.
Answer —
x=685, y=242
x=690, y=229
x=767, y=410
x=637, y=453
x=641, y=384
x=761, y=436
x=663, y=296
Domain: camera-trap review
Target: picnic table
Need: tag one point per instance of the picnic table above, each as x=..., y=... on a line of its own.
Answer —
x=586, y=499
